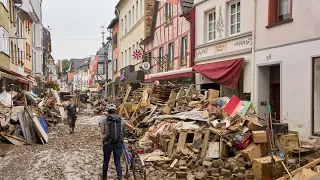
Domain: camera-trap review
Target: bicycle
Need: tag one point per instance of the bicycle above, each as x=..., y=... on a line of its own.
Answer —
x=133, y=161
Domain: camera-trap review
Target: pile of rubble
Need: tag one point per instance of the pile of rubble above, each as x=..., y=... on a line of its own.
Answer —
x=209, y=137
x=25, y=118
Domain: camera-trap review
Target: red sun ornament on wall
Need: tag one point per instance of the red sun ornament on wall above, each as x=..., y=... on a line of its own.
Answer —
x=137, y=54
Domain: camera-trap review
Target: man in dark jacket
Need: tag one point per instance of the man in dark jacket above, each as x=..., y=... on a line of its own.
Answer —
x=72, y=115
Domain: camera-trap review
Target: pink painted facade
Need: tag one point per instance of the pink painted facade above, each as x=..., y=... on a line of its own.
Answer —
x=167, y=32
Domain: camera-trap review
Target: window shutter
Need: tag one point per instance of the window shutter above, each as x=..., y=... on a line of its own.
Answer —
x=273, y=11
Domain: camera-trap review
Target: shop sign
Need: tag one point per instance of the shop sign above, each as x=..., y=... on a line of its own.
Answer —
x=146, y=67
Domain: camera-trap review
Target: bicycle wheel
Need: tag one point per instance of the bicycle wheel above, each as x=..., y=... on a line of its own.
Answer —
x=139, y=172
x=125, y=166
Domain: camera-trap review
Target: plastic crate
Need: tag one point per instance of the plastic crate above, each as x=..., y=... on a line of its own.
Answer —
x=244, y=143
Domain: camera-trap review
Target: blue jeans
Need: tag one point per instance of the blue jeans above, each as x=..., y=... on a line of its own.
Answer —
x=117, y=152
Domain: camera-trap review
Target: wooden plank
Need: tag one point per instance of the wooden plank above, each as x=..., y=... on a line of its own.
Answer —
x=173, y=96
x=172, y=142
x=42, y=134
x=307, y=166
x=197, y=140
x=13, y=140
x=17, y=138
x=22, y=124
x=61, y=109
x=173, y=163
x=205, y=144
x=182, y=140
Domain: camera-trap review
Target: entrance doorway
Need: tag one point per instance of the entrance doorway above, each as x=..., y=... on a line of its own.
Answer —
x=269, y=91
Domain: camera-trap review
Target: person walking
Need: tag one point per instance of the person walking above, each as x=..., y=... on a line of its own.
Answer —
x=113, y=129
x=72, y=111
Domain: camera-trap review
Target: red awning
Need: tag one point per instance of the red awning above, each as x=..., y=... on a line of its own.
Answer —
x=168, y=77
x=22, y=80
x=226, y=73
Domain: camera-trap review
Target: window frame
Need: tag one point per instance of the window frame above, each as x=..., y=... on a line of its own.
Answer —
x=170, y=56
x=122, y=27
x=115, y=40
x=137, y=10
x=125, y=57
x=125, y=24
x=236, y=18
x=184, y=51
x=273, y=13
x=141, y=8
x=289, y=10
x=115, y=66
x=168, y=12
x=129, y=20
x=133, y=16
x=129, y=55
x=160, y=53
x=214, y=25
x=149, y=60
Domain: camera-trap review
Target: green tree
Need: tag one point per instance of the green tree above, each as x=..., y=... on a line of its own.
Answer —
x=65, y=66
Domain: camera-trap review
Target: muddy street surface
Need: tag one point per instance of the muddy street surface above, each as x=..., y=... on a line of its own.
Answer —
x=66, y=156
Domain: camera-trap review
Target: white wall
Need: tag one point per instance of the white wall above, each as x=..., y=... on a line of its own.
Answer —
x=246, y=17
x=296, y=87
x=305, y=25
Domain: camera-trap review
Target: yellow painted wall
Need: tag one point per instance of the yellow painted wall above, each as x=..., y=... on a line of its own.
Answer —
x=4, y=22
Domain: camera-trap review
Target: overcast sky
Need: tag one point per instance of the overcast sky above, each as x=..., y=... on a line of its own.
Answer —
x=75, y=25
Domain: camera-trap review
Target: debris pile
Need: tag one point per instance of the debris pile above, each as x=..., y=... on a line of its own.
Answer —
x=25, y=118
x=206, y=136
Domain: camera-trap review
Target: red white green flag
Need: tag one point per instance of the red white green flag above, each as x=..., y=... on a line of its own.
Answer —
x=169, y=1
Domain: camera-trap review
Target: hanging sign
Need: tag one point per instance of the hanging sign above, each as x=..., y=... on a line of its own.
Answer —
x=146, y=67
x=137, y=54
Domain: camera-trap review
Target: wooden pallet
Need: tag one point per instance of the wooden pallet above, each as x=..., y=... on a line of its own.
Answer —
x=179, y=141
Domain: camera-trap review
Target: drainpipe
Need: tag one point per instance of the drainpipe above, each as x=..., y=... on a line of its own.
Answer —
x=253, y=66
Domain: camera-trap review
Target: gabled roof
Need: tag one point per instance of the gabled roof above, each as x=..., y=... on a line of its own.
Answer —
x=75, y=63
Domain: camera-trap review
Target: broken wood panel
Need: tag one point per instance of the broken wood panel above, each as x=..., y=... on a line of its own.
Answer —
x=42, y=134
x=197, y=140
x=172, y=142
x=173, y=96
x=205, y=143
x=182, y=140
x=61, y=109
x=307, y=166
x=13, y=140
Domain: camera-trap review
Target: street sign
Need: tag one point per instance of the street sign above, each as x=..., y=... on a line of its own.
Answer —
x=137, y=54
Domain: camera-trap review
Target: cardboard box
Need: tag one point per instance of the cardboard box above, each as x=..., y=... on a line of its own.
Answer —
x=287, y=141
x=266, y=169
x=254, y=151
x=259, y=136
x=212, y=94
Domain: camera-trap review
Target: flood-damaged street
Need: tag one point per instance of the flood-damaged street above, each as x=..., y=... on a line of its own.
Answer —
x=65, y=156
